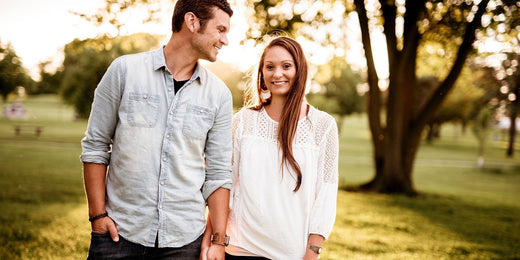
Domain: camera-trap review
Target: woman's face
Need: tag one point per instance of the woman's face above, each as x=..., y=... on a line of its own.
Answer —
x=279, y=71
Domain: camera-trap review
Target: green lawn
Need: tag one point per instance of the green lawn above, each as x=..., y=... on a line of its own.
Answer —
x=461, y=213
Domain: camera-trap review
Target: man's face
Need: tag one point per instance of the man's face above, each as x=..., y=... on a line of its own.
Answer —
x=210, y=39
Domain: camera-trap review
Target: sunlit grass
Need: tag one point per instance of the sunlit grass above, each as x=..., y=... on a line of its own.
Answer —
x=374, y=226
x=461, y=213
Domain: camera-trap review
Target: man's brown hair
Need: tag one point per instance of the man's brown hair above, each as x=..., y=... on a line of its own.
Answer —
x=203, y=9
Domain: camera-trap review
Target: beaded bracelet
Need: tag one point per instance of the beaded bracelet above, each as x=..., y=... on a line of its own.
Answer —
x=102, y=215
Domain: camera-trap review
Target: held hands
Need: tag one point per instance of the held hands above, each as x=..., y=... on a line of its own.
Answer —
x=104, y=225
x=212, y=252
x=216, y=252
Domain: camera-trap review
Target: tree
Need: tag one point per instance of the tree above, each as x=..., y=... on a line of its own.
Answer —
x=87, y=60
x=396, y=143
x=500, y=83
x=339, y=92
x=511, y=86
x=335, y=90
x=49, y=82
x=12, y=72
x=459, y=105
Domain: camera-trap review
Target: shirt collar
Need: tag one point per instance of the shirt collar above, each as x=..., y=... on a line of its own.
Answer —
x=159, y=62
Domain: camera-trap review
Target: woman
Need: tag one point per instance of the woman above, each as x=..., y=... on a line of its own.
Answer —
x=285, y=164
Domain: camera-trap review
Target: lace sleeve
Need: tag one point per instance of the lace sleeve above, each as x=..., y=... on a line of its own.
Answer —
x=235, y=159
x=331, y=153
x=323, y=212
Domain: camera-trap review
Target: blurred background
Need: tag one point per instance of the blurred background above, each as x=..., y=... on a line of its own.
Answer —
x=425, y=94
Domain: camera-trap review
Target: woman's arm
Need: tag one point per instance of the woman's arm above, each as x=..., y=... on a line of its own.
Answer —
x=314, y=241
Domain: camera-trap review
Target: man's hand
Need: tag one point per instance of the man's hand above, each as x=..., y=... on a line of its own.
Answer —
x=216, y=252
x=104, y=225
x=204, y=253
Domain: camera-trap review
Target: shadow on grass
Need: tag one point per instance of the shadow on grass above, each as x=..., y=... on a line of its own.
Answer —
x=427, y=226
x=493, y=228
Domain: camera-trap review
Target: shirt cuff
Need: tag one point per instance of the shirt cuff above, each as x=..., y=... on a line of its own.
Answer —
x=95, y=157
x=210, y=186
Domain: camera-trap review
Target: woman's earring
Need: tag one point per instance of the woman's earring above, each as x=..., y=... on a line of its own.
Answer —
x=265, y=94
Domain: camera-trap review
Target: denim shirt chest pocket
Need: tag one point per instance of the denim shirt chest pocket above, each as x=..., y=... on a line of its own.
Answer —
x=197, y=121
x=143, y=109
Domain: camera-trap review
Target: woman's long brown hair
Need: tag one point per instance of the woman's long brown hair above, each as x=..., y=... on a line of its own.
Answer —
x=291, y=109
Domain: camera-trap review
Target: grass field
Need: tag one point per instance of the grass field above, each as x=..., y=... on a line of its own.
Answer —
x=461, y=213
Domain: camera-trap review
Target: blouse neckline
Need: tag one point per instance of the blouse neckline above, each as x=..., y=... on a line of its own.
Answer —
x=263, y=111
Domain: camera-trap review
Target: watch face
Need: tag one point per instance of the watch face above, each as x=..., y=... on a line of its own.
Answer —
x=316, y=249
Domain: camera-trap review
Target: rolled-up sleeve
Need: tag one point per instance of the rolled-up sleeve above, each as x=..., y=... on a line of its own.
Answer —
x=103, y=118
x=218, y=151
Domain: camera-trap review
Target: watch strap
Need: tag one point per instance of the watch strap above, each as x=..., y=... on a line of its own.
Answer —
x=220, y=239
x=315, y=249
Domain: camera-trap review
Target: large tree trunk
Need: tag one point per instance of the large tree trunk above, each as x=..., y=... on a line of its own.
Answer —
x=396, y=144
x=374, y=98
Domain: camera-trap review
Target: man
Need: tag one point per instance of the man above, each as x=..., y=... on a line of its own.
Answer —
x=162, y=123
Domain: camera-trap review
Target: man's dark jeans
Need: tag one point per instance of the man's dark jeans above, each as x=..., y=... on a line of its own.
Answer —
x=102, y=247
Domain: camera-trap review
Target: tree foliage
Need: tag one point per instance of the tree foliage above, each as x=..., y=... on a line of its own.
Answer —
x=49, y=82
x=338, y=93
x=110, y=14
x=87, y=60
x=12, y=72
x=461, y=104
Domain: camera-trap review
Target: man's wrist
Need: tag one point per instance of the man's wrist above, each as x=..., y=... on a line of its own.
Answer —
x=102, y=215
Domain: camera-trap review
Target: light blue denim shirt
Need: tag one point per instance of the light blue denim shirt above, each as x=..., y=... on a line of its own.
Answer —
x=166, y=152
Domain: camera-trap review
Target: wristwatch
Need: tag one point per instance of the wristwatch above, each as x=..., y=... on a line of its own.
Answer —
x=315, y=249
x=219, y=239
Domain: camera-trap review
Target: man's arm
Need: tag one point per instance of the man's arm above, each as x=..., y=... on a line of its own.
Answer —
x=96, y=145
x=94, y=175
x=218, y=204
x=218, y=152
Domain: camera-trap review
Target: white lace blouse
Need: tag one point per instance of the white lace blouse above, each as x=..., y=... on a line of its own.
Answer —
x=267, y=217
